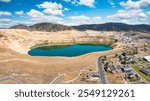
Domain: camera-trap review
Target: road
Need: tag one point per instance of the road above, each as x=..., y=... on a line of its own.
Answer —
x=9, y=78
x=58, y=79
x=101, y=71
x=102, y=74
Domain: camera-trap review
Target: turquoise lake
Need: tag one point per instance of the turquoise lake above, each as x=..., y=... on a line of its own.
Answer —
x=68, y=50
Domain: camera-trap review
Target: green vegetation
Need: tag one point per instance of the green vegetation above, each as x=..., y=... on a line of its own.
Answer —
x=134, y=79
x=130, y=52
x=60, y=45
x=54, y=47
x=137, y=69
x=142, y=60
x=94, y=44
x=39, y=45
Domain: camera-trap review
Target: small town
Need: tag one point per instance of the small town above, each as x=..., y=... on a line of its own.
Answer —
x=129, y=66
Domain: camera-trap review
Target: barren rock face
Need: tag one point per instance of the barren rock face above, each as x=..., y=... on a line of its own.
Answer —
x=22, y=40
x=16, y=65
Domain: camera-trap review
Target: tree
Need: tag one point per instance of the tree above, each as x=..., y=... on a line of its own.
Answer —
x=106, y=66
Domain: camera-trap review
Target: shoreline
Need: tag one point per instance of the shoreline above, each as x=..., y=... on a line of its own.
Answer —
x=62, y=46
x=37, y=69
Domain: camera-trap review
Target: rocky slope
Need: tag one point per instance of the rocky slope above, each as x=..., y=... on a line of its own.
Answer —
x=48, y=27
x=114, y=27
x=22, y=40
x=15, y=63
x=97, y=27
x=20, y=26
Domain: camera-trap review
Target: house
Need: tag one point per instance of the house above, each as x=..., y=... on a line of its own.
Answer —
x=126, y=68
x=147, y=58
x=132, y=74
x=146, y=71
x=109, y=66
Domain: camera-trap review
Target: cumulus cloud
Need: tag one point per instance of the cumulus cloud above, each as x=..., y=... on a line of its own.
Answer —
x=132, y=12
x=74, y=2
x=67, y=0
x=50, y=5
x=7, y=23
x=111, y=3
x=20, y=13
x=89, y=3
x=77, y=20
x=38, y=17
x=5, y=13
x=128, y=16
x=53, y=12
x=66, y=9
x=97, y=18
x=81, y=19
x=5, y=1
x=52, y=8
x=34, y=13
x=135, y=4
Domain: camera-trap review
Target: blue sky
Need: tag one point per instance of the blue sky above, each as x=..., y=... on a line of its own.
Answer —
x=73, y=12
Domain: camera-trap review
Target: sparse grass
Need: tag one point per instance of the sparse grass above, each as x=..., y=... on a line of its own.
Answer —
x=142, y=60
x=134, y=79
x=47, y=45
x=114, y=78
x=137, y=69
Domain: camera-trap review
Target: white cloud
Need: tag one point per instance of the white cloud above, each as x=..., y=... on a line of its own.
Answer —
x=52, y=8
x=129, y=16
x=135, y=4
x=97, y=18
x=89, y=3
x=19, y=12
x=132, y=12
x=50, y=5
x=74, y=2
x=5, y=0
x=77, y=20
x=7, y=23
x=67, y=0
x=66, y=9
x=53, y=12
x=34, y=13
x=37, y=17
x=111, y=3
x=5, y=13
x=148, y=13
x=81, y=19
x=5, y=20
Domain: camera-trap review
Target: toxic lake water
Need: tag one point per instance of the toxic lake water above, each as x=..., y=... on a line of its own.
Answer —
x=68, y=50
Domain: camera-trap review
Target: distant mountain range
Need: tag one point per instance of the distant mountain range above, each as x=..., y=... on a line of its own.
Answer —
x=43, y=27
x=97, y=27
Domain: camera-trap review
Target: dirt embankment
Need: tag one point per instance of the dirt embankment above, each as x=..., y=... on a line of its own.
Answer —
x=22, y=40
x=14, y=61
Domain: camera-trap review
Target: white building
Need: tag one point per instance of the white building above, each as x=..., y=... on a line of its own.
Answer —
x=147, y=58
